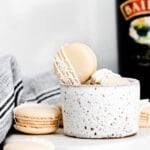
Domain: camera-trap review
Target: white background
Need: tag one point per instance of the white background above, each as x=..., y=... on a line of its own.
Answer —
x=33, y=30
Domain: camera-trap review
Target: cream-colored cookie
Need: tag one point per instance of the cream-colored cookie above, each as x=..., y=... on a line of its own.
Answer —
x=20, y=145
x=59, y=105
x=75, y=63
x=144, y=121
x=36, y=118
x=106, y=77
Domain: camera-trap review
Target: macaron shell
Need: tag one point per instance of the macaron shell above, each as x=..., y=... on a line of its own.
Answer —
x=36, y=131
x=27, y=146
x=82, y=59
x=144, y=124
x=94, y=59
x=36, y=111
x=64, y=69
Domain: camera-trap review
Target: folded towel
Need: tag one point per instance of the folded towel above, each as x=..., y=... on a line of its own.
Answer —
x=15, y=89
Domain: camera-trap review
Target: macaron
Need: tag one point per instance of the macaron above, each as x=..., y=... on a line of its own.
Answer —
x=106, y=77
x=23, y=145
x=36, y=118
x=144, y=121
x=59, y=105
x=74, y=63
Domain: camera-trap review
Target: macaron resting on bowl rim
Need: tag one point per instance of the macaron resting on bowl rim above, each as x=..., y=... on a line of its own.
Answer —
x=74, y=63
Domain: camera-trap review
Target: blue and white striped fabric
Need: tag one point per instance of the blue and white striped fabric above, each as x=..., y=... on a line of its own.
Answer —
x=14, y=90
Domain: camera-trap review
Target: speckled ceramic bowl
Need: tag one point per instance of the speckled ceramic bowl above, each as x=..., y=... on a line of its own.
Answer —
x=93, y=111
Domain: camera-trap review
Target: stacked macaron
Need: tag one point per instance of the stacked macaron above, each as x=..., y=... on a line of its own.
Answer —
x=36, y=118
x=144, y=121
x=75, y=63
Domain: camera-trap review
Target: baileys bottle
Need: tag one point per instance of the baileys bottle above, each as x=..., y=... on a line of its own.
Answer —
x=133, y=29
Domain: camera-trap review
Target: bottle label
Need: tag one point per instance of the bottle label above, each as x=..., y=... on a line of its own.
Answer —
x=139, y=27
x=132, y=8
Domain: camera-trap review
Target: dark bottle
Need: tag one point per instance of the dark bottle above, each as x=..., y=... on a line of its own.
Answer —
x=133, y=29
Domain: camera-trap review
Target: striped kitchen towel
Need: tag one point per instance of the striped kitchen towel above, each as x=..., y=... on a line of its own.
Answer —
x=15, y=89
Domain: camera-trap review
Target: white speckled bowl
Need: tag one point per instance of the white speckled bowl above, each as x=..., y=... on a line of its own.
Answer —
x=93, y=111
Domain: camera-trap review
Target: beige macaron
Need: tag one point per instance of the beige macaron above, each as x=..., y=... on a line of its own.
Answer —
x=59, y=105
x=75, y=63
x=36, y=118
x=144, y=121
x=22, y=145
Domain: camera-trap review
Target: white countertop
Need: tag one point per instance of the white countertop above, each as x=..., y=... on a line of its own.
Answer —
x=141, y=141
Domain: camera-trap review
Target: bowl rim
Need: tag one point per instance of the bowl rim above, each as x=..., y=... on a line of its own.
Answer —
x=133, y=81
